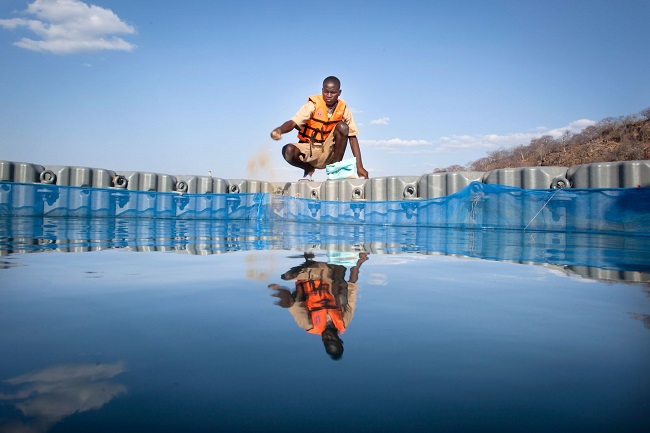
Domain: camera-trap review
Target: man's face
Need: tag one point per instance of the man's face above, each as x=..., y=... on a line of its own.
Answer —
x=331, y=93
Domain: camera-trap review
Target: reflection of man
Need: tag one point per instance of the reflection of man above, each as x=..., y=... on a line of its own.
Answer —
x=323, y=302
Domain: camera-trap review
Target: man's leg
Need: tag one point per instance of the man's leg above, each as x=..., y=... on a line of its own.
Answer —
x=340, y=141
x=293, y=155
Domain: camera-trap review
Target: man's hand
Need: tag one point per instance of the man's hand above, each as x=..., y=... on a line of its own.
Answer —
x=283, y=294
x=276, y=134
x=362, y=172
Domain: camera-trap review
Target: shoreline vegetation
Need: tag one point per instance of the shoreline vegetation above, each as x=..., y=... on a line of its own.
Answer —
x=624, y=138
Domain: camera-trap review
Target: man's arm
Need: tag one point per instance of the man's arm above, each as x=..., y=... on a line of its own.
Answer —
x=287, y=126
x=285, y=300
x=296, y=122
x=354, y=271
x=356, y=152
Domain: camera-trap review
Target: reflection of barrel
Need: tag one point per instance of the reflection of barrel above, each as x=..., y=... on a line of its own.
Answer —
x=611, y=274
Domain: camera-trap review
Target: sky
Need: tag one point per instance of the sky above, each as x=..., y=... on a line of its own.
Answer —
x=195, y=87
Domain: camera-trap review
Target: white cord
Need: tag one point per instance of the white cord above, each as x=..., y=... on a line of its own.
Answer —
x=550, y=198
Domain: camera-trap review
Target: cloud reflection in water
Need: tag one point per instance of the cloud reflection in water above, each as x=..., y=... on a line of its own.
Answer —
x=45, y=397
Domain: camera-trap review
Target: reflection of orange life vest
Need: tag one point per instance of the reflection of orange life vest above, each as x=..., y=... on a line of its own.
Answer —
x=319, y=125
x=320, y=302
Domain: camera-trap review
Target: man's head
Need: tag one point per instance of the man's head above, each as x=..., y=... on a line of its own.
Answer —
x=332, y=342
x=331, y=90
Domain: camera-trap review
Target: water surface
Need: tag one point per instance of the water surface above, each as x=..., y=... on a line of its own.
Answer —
x=167, y=325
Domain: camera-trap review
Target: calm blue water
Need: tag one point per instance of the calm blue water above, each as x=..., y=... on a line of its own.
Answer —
x=167, y=325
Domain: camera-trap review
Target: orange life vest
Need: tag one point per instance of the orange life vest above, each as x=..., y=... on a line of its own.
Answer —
x=319, y=125
x=320, y=303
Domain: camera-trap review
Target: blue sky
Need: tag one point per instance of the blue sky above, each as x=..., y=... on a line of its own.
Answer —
x=196, y=86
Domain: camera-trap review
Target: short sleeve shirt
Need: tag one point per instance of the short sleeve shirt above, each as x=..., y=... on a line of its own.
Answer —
x=305, y=112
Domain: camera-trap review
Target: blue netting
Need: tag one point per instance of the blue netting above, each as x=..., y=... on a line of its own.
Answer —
x=479, y=206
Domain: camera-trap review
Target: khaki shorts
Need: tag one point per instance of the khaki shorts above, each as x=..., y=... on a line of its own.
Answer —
x=318, y=155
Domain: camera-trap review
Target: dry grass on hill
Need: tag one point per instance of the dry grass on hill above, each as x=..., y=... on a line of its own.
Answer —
x=626, y=138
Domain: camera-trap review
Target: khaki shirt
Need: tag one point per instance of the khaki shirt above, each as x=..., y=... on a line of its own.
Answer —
x=305, y=112
x=322, y=271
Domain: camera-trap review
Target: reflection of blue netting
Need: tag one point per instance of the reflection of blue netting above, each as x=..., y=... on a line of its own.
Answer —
x=614, y=256
x=479, y=206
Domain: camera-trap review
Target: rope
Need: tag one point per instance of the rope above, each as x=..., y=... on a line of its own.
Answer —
x=550, y=198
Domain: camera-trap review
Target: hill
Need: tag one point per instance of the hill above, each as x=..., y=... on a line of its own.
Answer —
x=626, y=138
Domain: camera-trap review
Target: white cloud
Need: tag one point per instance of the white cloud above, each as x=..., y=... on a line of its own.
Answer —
x=380, y=121
x=573, y=127
x=70, y=26
x=484, y=143
x=494, y=141
x=394, y=143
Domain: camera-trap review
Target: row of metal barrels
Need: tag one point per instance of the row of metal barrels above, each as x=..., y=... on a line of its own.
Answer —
x=625, y=174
